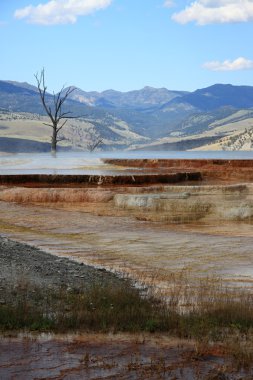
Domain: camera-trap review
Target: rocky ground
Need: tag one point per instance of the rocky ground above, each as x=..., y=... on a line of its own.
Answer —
x=93, y=356
x=20, y=263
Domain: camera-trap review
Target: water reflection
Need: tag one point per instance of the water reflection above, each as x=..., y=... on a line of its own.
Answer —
x=114, y=238
x=91, y=163
x=123, y=244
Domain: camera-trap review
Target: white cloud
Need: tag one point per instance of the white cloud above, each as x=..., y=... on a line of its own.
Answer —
x=169, y=3
x=60, y=11
x=238, y=64
x=216, y=11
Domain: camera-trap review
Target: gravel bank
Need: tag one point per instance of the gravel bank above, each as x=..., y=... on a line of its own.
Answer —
x=20, y=263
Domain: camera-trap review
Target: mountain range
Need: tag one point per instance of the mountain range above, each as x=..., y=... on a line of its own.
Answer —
x=144, y=118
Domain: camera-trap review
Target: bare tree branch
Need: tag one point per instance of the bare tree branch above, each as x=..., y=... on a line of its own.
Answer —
x=50, y=125
x=59, y=128
x=93, y=145
x=55, y=112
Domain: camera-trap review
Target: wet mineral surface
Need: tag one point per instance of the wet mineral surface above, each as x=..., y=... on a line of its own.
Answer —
x=151, y=231
x=96, y=357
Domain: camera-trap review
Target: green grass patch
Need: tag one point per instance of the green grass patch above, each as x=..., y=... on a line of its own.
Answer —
x=109, y=306
x=217, y=315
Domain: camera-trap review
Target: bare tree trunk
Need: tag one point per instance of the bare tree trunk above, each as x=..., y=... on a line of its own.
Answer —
x=57, y=117
x=54, y=140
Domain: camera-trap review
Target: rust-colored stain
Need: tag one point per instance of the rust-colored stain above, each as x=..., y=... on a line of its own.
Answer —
x=221, y=169
x=112, y=222
x=91, y=357
x=38, y=180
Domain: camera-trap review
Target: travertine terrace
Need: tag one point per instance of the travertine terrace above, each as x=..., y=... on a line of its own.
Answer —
x=170, y=225
x=220, y=169
x=150, y=216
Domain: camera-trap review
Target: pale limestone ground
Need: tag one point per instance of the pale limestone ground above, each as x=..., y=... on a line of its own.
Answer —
x=144, y=243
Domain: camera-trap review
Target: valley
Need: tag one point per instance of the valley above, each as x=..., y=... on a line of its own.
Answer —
x=216, y=118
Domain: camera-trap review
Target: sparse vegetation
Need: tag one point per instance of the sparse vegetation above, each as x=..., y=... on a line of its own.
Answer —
x=83, y=137
x=218, y=314
x=102, y=307
x=238, y=141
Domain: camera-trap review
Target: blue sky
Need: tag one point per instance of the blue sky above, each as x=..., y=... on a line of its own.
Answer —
x=127, y=44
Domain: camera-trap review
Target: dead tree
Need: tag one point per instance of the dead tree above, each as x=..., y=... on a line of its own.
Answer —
x=94, y=140
x=54, y=107
x=82, y=137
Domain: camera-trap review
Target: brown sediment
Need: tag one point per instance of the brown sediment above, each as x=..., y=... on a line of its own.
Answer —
x=148, y=252
x=109, y=220
x=179, y=162
x=113, y=226
x=55, y=195
x=141, y=356
x=143, y=172
x=165, y=203
x=121, y=356
x=35, y=180
x=221, y=169
x=151, y=253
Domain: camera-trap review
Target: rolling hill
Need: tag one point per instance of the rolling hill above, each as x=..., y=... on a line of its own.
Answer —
x=145, y=118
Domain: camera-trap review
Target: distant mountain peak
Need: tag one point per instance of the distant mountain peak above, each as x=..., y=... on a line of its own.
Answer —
x=124, y=118
x=24, y=85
